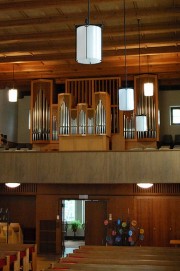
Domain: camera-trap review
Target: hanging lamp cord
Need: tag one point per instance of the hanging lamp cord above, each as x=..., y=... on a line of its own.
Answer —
x=13, y=75
x=139, y=45
x=125, y=45
x=87, y=21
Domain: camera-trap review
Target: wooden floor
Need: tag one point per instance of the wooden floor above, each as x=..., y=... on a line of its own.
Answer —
x=44, y=261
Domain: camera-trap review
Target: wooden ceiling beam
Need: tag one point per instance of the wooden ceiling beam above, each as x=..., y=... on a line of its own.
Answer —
x=77, y=18
x=70, y=56
x=107, y=31
x=118, y=68
x=22, y=5
x=63, y=47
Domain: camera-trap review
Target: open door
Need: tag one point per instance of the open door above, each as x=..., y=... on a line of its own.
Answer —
x=63, y=227
x=95, y=214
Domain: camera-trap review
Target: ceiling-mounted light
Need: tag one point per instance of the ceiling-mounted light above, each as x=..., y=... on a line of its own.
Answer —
x=13, y=92
x=88, y=42
x=126, y=95
x=145, y=185
x=141, y=123
x=148, y=86
x=12, y=185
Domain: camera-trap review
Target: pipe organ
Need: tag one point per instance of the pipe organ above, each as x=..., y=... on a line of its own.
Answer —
x=41, y=100
x=84, y=120
x=89, y=108
x=85, y=128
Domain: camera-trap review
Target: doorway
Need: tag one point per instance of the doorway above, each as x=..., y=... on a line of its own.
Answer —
x=91, y=215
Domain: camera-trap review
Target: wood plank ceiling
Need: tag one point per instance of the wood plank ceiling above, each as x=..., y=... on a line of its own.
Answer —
x=37, y=39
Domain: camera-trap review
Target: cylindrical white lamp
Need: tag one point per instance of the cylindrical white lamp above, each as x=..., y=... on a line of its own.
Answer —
x=126, y=99
x=89, y=44
x=12, y=95
x=148, y=89
x=141, y=123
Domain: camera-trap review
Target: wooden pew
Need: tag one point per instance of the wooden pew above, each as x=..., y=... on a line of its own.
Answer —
x=125, y=260
x=123, y=255
x=101, y=258
x=4, y=262
x=124, y=248
x=118, y=268
x=12, y=260
x=130, y=250
x=175, y=242
x=27, y=254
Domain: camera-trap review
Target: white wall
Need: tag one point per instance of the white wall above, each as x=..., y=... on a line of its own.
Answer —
x=23, y=135
x=167, y=99
x=8, y=116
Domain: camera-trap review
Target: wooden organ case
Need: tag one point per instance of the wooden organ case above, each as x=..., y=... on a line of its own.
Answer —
x=82, y=127
x=87, y=115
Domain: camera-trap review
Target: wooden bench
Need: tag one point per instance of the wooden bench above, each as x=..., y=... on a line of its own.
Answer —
x=118, y=268
x=175, y=242
x=12, y=261
x=130, y=250
x=124, y=248
x=120, y=258
x=124, y=260
x=4, y=262
x=123, y=256
x=26, y=254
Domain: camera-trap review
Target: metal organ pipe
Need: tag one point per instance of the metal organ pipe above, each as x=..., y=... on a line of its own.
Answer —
x=100, y=118
x=41, y=117
x=64, y=119
x=129, y=126
x=82, y=122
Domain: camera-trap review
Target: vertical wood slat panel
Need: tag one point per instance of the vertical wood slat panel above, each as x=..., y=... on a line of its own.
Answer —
x=158, y=189
x=23, y=188
x=83, y=89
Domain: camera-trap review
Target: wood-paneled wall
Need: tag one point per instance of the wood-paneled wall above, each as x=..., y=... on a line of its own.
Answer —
x=157, y=210
x=90, y=167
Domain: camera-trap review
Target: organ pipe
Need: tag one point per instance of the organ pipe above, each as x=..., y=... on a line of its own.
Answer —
x=41, y=117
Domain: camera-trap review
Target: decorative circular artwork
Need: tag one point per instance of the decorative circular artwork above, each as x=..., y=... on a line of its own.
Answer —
x=122, y=232
x=141, y=237
x=106, y=222
x=119, y=221
x=141, y=231
x=124, y=224
x=134, y=223
x=109, y=240
x=118, y=239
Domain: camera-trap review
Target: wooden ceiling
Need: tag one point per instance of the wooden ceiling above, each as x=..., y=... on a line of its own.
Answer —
x=37, y=39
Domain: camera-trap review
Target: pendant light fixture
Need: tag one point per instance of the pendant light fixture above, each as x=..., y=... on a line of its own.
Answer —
x=141, y=120
x=13, y=92
x=148, y=86
x=126, y=95
x=88, y=42
x=141, y=123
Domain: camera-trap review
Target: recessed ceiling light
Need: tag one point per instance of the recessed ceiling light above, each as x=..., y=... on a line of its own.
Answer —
x=12, y=185
x=145, y=185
